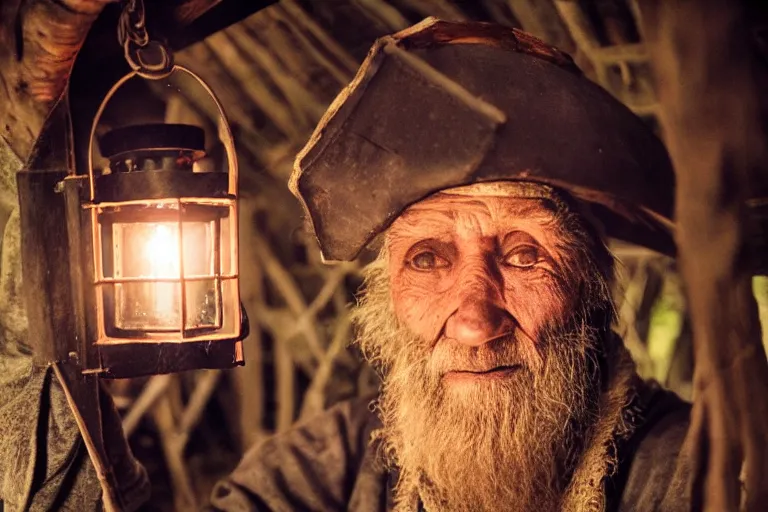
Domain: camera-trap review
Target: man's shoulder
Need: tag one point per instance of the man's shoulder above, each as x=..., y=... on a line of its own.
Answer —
x=315, y=465
x=344, y=427
x=656, y=471
x=667, y=419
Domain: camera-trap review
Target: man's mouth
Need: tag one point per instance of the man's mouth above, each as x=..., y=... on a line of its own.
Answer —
x=498, y=372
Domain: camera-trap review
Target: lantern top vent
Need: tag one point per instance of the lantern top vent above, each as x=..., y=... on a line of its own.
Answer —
x=152, y=138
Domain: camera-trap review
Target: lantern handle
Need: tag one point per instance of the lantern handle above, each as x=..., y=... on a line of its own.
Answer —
x=224, y=132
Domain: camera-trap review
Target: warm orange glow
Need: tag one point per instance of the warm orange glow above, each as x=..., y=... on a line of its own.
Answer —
x=161, y=252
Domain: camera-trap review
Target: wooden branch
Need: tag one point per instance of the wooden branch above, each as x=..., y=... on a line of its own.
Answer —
x=333, y=279
x=190, y=10
x=183, y=490
x=299, y=56
x=383, y=14
x=344, y=60
x=641, y=100
x=500, y=12
x=264, y=146
x=314, y=398
x=287, y=287
x=541, y=19
x=246, y=72
x=248, y=379
x=38, y=45
x=204, y=61
x=107, y=492
x=340, y=72
x=710, y=102
x=443, y=9
x=278, y=321
x=581, y=30
x=633, y=296
x=153, y=390
x=285, y=386
x=305, y=107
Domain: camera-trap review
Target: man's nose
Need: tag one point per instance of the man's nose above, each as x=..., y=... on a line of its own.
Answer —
x=480, y=315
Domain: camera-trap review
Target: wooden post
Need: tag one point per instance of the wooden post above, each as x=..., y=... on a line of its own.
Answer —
x=707, y=89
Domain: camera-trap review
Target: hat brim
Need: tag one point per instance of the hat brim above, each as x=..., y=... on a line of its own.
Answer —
x=428, y=112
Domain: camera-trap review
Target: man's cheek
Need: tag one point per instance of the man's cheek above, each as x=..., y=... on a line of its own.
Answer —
x=423, y=311
x=534, y=304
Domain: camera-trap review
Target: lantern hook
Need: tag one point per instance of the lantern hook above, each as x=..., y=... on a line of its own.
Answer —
x=149, y=58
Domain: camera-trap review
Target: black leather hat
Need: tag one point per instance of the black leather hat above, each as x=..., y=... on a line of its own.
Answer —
x=446, y=104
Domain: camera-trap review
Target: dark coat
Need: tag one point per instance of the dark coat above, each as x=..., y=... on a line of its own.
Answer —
x=328, y=464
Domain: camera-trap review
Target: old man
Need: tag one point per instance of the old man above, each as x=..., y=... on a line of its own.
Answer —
x=488, y=172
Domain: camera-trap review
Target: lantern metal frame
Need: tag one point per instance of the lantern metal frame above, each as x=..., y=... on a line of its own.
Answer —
x=144, y=352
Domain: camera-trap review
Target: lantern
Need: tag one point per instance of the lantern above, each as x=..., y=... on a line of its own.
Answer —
x=132, y=269
x=163, y=293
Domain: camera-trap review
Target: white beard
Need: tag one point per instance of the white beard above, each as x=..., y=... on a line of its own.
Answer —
x=508, y=444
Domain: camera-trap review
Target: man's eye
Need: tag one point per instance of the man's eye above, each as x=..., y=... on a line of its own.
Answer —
x=524, y=256
x=428, y=260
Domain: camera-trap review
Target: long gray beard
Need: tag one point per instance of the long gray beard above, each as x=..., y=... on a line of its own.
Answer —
x=510, y=444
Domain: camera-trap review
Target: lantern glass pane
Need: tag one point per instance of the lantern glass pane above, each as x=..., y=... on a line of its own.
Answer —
x=153, y=250
x=228, y=245
x=203, y=305
x=230, y=325
x=153, y=307
x=168, y=271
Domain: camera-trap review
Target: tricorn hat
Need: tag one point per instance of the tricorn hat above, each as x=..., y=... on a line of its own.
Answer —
x=445, y=104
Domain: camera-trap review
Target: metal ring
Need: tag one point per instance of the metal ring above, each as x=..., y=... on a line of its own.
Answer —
x=136, y=55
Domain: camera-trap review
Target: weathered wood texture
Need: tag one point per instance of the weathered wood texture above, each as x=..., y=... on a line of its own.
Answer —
x=38, y=44
x=710, y=98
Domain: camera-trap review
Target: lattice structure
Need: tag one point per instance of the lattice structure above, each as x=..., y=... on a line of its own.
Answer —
x=276, y=72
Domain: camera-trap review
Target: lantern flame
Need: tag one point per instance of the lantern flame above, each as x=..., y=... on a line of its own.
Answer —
x=161, y=252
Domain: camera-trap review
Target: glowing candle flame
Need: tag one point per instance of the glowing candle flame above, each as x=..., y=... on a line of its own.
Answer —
x=161, y=252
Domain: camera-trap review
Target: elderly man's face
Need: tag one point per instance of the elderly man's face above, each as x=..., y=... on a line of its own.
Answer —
x=476, y=273
x=479, y=314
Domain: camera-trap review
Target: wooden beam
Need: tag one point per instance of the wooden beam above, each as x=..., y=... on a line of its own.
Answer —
x=711, y=109
x=38, y=44
x=382, y=13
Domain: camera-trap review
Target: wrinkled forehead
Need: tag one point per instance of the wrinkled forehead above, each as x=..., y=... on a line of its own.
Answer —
x=481, y=209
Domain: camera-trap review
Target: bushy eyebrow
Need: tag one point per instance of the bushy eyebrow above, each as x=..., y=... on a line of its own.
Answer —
x=411, y=232
x=530, y=206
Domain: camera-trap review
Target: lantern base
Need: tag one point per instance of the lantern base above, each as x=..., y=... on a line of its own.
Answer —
x=138, y=359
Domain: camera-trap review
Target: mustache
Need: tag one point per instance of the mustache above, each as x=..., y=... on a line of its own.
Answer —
x=505, y=351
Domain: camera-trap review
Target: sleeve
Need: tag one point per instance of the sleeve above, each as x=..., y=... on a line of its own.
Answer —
x=659, y=473
x=44, y=464
x=311, y=467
